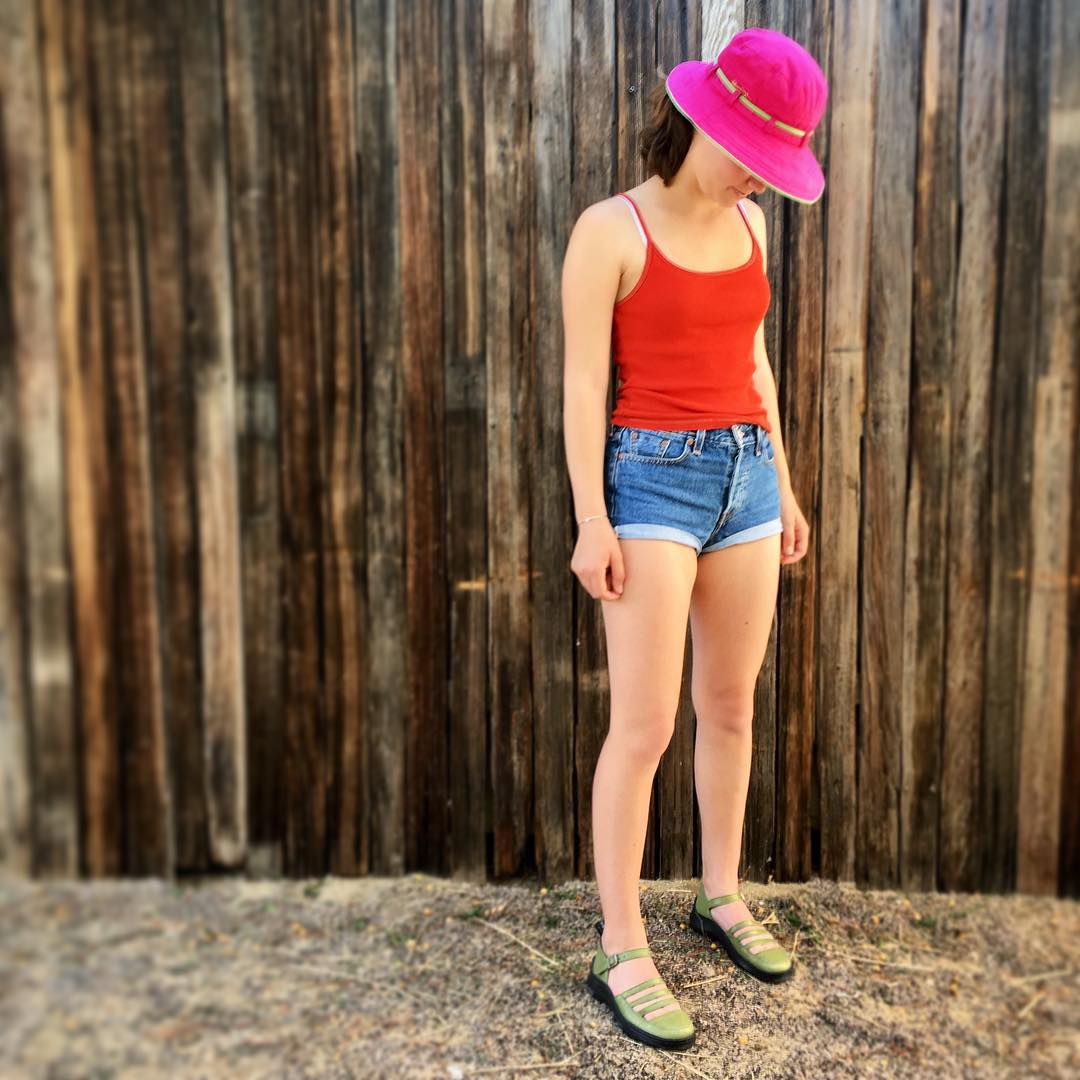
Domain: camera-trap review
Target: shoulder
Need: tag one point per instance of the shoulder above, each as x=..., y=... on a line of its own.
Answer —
x=603, y=218
x=603, y=230
x=597, y=250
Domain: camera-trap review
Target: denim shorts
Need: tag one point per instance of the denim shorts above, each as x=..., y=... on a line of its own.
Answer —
x=708, y=488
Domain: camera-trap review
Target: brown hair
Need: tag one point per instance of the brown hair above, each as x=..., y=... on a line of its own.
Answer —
x=666, y=136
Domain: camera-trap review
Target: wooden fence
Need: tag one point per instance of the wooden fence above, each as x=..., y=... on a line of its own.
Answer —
x=286, y=527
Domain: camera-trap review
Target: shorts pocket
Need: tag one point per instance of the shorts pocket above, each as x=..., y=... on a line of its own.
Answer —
x=655, y=447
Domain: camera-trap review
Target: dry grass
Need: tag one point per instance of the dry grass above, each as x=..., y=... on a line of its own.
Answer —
x=421, y=977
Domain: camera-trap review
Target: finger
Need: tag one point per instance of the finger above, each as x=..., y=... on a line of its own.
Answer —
x=618, y=571
x=789, y=539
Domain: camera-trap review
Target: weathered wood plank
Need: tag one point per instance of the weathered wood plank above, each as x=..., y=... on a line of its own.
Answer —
x=65, y=62
x=551, y=535
x=208, y=343
x=245, y=58
x=1046, y=648
x=295, y=162
x=386, y=672
x=846, y=300
x=466, y=434
x=926, y=513
x=881, y=689
x=425, y=614
x=509, y=404
x=342, y=466
x=797, y=357
x=137, y=629
x=39, y=805
x=979, y=164
x=1010, y=448
x=159, y=193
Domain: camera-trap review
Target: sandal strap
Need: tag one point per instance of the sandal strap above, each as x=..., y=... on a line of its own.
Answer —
x=654, y=994
x=715, y=901
x=627, y=954
x=656, y=982
x=748, y=928
x=744, y=924
x=611, y=959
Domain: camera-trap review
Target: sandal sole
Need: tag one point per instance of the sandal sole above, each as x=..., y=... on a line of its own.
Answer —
x=602, y=992
x=709, y=928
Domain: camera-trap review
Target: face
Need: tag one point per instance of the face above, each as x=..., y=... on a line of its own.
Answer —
x=720, y=177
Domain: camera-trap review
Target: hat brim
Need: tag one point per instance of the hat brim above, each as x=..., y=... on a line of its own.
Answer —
x=792, y=170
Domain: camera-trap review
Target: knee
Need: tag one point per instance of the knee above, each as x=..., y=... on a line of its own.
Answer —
x=643, y=736
x=727, y=710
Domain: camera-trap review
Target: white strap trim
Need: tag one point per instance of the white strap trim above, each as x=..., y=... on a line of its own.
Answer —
x=637, y=219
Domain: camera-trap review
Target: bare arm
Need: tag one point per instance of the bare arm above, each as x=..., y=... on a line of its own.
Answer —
x=590, y=283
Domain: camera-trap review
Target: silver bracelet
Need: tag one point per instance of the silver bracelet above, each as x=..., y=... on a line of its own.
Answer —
x=591, y=518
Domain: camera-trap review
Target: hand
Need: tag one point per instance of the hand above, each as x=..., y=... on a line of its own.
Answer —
x=597, y=560
x=796, y=535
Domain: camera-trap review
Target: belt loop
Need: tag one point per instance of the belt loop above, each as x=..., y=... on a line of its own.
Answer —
x=699, y=440
x=757, y=438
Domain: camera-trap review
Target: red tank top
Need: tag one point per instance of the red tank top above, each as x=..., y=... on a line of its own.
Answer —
x=683, y=342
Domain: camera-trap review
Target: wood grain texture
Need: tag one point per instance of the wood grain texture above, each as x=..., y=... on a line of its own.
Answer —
x=246, y=72
x=550, y=535
x=507, y=179
x=339, y=330
x=39, y=757
x=926, y=511
x=383, y=432
x=1012, y=428
x=843, y=405
x=881, y=752
x=295, y=159
x=1045, y=677
x=137, y=631
x=796, y=354
x=978, y=268
x=464, y=306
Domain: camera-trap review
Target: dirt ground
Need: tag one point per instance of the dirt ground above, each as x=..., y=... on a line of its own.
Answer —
x=425, y=977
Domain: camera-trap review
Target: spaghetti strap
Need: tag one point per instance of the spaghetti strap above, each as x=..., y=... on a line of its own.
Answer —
x=749, y=228
x=637, y=217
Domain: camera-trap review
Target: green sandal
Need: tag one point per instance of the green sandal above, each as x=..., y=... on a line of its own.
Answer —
x=770, y=965
x=672, y=1031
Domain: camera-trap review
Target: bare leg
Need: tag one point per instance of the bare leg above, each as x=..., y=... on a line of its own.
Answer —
x=731, y=615
x=646, y=639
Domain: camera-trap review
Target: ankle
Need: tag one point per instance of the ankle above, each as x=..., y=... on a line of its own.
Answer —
x=718, y=887
x=616, y=939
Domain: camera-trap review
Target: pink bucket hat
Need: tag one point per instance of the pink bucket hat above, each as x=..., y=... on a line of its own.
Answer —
x=759, y=102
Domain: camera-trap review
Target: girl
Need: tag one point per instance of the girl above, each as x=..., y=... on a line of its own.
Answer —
x=685, y=509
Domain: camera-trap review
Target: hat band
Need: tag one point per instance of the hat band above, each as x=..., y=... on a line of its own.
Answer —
x=734, y=88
